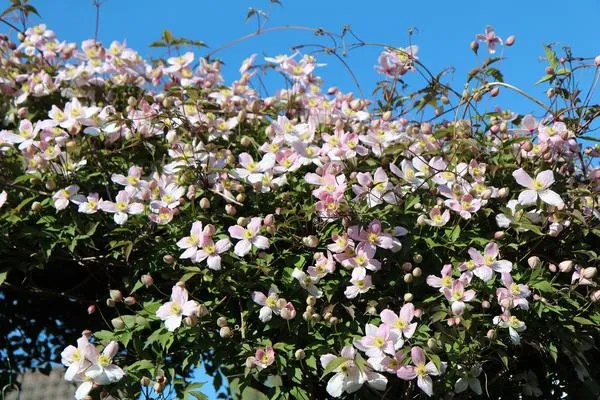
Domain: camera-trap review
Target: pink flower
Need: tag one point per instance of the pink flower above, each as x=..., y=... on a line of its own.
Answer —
x=172, y=312
x=160, y=215
x=253, y=171
x=373, y=236
x=263, y=357
x=376, y=190
x=485, y=264
x=268, y=302
x=211, y=251
x=465, y=206
x=363, y=258
x=198, y=237
x=537, y=187
x=513, y=295
x=89, y=204
x=323, y=265
x=445, y=281
x=103, y=371
x=436, y=218
x=420, y=370
x=514, y=325
x=400, y=324
x=249, y=237
x=133, y=177
x=361, y=283
x=378, y=341
x=76, y=358
x=62, y=197
x=489, y=38
x=307, y=282
x=122, y=208
x=458, y=296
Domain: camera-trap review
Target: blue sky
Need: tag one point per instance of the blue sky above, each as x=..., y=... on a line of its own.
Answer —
x=443, y=32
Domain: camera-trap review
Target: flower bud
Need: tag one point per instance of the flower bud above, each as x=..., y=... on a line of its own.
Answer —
x=417, y=272
x=91, y=309
x=147, y=280
x=221, y=322
x=485, y=304
x=300, y=354
x=271, y=229
x=310, y=309
x=306, y=315
x=418, y=206
x=36, y=206
x=589, y=272
x=597, y=61
x=116, y=295
x=408, y=278
x=491, y=334
x=190, y=320
x=552, y=267
x=311, y=300
x=595, y=296
x=169, y=259
x=288, y=313
x=110, y=303
x=240, y=197
x=407, y=267
x=159, y=387
x=204, y=203
x=130, y=300
x=245, y=141
x=315, y=317
x=474, y=46
x=487, y=193
x=549, y=70
x=417, y=258
x=421, y=219
x=495, y=91
x=498, y=234
x=225, y=332
x=117, y=323
x=145, y=381
x=281, y=302
x=418, y=312
x=408, y=297
x=310, y=241
x=565, y=266
x=510, y=40
x=21, y=36
x=230, y=210
x=50, y=185
x=432, y=345
x=201, y=311
x=387, y=116
x=242, y=221
x=534, y=262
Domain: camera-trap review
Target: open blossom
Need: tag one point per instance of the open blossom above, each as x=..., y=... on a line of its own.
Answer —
x=263, y=357
x=465, y=205
x=437, y=218
x=376, y=189
x=323, y=265
x=538, y=187
x=372, y=237
x=307, y=282
x=123, y=207
x=458, y=296
x=268, y=303
x=103, y=371
x=133, y=178
x=490, y=39
x=487, y=263
x=361, y=283
x=348, y=376
x=420, y=370
x=400, y=324
x=62, y=197
x=89, y=204
x=211, y=252
x=76, y=358
x=514, y=325
x=172, y=312
x=253, y=171
x=198, y=237
x=249, y=237
x=445, y=281
x=513, y=295
x=378, y=341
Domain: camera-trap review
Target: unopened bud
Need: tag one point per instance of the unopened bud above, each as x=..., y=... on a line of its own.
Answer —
x=159, y=387
x=407, y=267
x=201, y=311
x=565, y=266
x=169, y=259
x=281, y=302
x=408, y=297
x=225, y=332
x=315, y=317
x=432, y=345
x=498, y=234
x=245, y=141
x=204, y=203
x=110, y=303
x=311, y=300
x=485, y=304
x=510, y=40
x=595, y=296
x=221, y=322
x=417, y=272
x=421, y=219
x=387, y=116
x=310, y=241
x=190, y=320
x=534, y=262
x=240, y=197
x=91, y=309
x=408, y=278
x=300, y=354
x=550, y=70
x=589, y=272
x=597, y=61
x=230, y=210
x=129, y=300
x=474, y=46
x=36, y=206
x=117, y=323
x=527, y=146
x=116, y=295
x=147, y=280
x=552, y=267
x=145, y=381
x=491, y=334
x=495, y=91
x=417, y=258
x=50, y=185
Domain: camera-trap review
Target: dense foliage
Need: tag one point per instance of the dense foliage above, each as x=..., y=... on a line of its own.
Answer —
x=308, y=244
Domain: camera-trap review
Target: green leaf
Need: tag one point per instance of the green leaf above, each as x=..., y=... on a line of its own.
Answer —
x=583, y=321
x=551, y=56
x=3, y=276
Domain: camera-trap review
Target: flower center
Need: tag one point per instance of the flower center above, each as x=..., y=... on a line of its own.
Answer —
x=400, y=324
x=104, y=360
x=248, y=234
x=420, y=370
x=176, y=308
x=538, y=185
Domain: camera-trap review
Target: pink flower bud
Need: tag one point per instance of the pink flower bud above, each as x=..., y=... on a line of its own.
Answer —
x=91, y=309
x=597, y=61
x=485, y=304
x=116, y=295
x=474, y=46
x=595, y=296
x=491, y=334
x=147, y=280
x=498, y=234
x=589, y=272
x=534, y=261
x=169, y=259
x=269, y=220
x=565, y=266
x=494, y=92
x=204, y=203
x=552, y=267
x=129, y=300
x=418, y=312
x=510, y=40
x=310, y=241
x=230, y=210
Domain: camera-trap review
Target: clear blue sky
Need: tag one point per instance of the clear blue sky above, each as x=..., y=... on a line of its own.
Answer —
x=444, y=30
